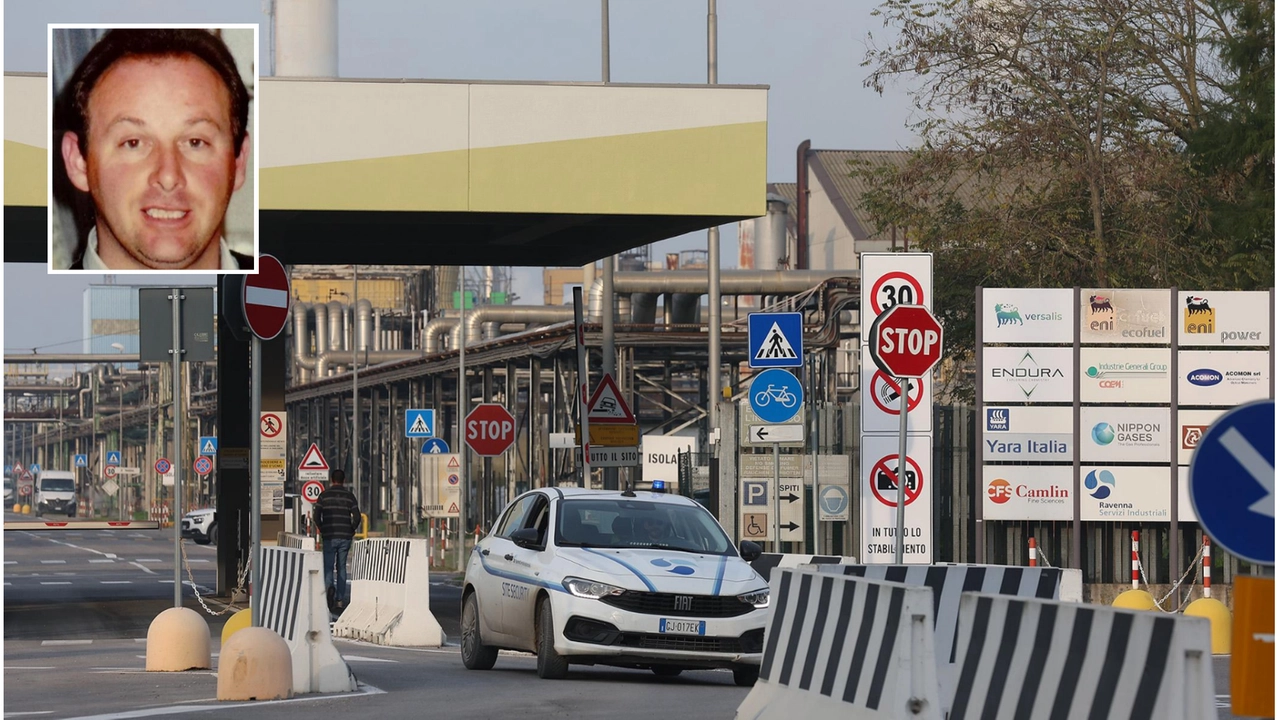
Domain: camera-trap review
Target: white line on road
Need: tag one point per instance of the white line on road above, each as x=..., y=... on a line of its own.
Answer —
x=53, y=562
x=29, y=667
x=29, y=713
x=66, y=642
x=361, y=658
x=177, y=709
x=198, y=560
x=143, y=568
x=10, y=562
x=148, y=559
x=55, y=582
x=115, y=582
x=102, y=560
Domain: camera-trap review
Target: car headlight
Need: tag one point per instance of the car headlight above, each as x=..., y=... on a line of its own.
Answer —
x=757, y=599
x=590, y=589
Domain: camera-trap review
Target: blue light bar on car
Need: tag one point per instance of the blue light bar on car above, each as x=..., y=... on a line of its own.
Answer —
x=660, y=486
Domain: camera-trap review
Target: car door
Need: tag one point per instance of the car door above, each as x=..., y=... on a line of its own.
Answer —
x=519, y=603
x=494, y=551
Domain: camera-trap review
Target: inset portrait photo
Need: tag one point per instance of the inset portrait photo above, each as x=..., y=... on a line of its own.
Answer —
x=152, y=163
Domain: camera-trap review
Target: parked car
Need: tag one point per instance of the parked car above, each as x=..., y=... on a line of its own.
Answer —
x=637, y=579
x=201, y=526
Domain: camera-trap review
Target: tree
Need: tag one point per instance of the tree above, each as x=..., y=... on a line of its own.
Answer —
x=1053, y=143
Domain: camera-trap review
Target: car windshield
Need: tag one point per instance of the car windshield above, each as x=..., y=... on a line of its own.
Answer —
x=57, y=485
x=624, y=523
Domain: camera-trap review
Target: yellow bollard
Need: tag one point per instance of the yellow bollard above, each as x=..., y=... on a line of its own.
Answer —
x=241, y=620
x=1219, y=623
x=1134, y=600
x=364, y=528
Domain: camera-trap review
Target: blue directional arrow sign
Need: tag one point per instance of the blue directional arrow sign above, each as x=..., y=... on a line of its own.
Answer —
x=435, y=446
x=775, y=340
x=208, y=446
x=113, y=457
x=81, y=460
x=776, y=395
x=419, y=423
x=1232, y=482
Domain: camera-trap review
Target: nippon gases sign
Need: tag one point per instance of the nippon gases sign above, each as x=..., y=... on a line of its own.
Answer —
x=1027, y=315
x=1112, y=492
x=1026, y=492
x=1125, y=317
x=1027, y=433
x=1124, y=434
x=1229, y=318
x=1124, y=375
x=1223, y=378
x=1026, y=374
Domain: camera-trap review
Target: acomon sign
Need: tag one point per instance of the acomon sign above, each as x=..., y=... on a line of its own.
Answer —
x=906, y=341
x=490, y=429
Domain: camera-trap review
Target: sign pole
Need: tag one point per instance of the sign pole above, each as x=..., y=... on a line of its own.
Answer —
x=463, y=401
x=903, y=393
x=580, y=330
x=255, y=486
x=777, y=499
x=176, y=359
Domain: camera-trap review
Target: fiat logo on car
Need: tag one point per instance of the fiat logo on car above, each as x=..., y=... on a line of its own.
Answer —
x=684, y=602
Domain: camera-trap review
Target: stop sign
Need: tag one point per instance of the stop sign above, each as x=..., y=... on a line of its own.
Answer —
x=906, y=341
x=490, y=429
x=266, y=298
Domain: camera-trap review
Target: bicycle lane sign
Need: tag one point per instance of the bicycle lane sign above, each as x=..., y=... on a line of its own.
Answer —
x=776, y=396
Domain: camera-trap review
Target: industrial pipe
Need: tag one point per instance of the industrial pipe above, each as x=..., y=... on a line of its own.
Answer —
x=364, y=324
x=510, y=313
x=302, y=357
x=337, y=312
x=434, y=330
x=732, y=282
x=343, y=358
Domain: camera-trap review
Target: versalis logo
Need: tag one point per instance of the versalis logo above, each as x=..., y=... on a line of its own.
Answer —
x=1197, y=316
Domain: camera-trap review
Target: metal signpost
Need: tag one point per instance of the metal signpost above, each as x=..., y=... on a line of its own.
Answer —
x=776, y=396
x=580, y=333
x=266, y=309
x=906, y=342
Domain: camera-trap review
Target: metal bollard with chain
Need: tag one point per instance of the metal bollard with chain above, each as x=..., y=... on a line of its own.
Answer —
x=240, y=584
x=1172, y=591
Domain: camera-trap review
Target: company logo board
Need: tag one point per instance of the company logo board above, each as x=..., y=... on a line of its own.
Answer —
x=1223, y=378
x=1027, y=434
x=1125, y=317
x=660, y=456
x=1026, y=374
x=775, y=340
x=1027, y=315
x=1023, y=492
x=1124, y=375
x=881, y=400
x=1113, y=492
x=1229, y=318
x=1124, y=434
x=890, y=279
x=1192, y=425
x=878, y=498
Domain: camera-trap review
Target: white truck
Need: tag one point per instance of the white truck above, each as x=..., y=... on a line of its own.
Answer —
x=55, y=492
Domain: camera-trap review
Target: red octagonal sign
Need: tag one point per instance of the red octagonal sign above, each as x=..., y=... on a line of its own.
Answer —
x=490, y=429
x=906, y=341
x=266, y=298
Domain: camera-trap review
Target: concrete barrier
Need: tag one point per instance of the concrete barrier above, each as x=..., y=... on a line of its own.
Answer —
x=845, y=647
x=768, y=561
x=389, y=595
x=947, y=582
x=1022, y=657
x=296, y=540
x=294, y=606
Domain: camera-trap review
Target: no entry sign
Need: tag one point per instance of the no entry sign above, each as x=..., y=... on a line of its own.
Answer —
x=266, y=298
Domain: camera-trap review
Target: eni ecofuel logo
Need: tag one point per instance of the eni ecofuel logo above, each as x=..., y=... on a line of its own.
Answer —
x=1027, y=374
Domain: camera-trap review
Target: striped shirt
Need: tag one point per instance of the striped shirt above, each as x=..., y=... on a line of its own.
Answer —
x=337, y=513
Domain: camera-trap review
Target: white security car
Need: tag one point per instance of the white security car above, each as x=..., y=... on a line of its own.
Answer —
x=630, y=579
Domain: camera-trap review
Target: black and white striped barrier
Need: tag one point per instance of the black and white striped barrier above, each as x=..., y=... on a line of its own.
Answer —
x=389, y=595
x=1030, y=658
x=294, y=606
x=296, y=540
x=768, y=561
x=946, y=583
x=842, y=646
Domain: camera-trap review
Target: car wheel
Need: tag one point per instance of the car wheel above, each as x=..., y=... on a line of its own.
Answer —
x=666, y=670
x=475, y=654
x=213, y=533
x=71, y=513
x=202, y=539
x=745, y=675
x=551, y=665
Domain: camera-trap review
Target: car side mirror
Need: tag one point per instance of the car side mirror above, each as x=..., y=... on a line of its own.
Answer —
x=526, y=538
x=749, y=550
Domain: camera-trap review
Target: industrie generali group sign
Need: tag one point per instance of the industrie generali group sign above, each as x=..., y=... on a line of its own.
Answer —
x=1131, y=353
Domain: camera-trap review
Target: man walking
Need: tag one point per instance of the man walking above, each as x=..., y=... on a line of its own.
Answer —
x=337, y=514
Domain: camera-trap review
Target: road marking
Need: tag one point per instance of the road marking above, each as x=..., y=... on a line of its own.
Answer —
x=362, y=689
x=14, y=562
x=198, y=560
x=101, y=560
x=29, y=667
x=143, y=568
x=361, y=658
x=53, y=562
x=115, y=582
x=29, y=713
x=148, y=559
x=66, y=642
x=55, y=582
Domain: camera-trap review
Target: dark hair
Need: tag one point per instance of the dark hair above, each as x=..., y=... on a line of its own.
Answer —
x=338, y=477
x=121, y=44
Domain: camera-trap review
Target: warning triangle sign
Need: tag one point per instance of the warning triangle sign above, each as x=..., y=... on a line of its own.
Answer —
x=453, y=507
x=419, y=426
x=208, y=448
x=313, y=460
x=607, y=405
x=775, y=346
x=453, y=461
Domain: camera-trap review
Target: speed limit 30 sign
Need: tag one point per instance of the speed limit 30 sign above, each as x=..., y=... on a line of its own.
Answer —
x=890, y=279
x=311, y=490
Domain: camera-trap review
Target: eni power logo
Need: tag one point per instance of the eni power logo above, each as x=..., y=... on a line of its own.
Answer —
x=1197, y=316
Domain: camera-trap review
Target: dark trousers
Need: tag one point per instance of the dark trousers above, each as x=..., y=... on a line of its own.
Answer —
x=336, y=551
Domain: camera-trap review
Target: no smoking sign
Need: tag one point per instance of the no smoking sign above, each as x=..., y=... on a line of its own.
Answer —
x=882, y=401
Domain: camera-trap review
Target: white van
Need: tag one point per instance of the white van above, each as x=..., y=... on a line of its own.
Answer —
x=55, y=492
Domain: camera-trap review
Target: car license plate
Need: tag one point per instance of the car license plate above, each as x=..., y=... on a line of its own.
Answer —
x=682, y=627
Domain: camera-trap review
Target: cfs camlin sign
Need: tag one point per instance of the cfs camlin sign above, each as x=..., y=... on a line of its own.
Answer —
x=1125, y=317
x=1026, y=492
x=1026, y=374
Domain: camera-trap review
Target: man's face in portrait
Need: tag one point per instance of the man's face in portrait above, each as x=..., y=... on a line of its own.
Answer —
x=161, y=162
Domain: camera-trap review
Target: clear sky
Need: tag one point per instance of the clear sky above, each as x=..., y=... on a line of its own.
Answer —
x=807, y=51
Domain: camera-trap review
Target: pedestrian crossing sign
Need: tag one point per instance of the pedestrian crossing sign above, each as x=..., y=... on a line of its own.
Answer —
x=775, y=340
x=208, y=445
x=420, y=423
